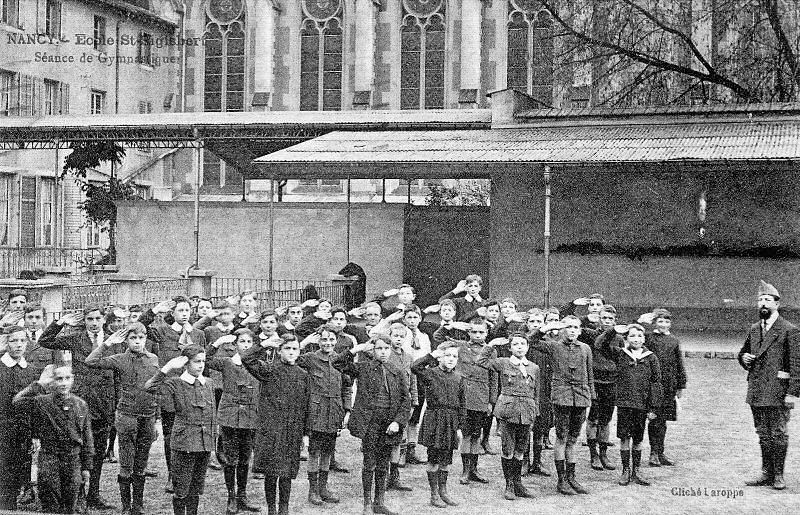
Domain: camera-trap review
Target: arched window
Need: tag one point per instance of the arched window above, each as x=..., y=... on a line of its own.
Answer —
x=321, y=56
x=224, y=56
x=422, y=57
x=224, y=83
x=530, y=49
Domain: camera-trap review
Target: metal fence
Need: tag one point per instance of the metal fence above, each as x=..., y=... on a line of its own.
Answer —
x=277, y=293
x=158, y=289
x=82, y=296
x=14, y=259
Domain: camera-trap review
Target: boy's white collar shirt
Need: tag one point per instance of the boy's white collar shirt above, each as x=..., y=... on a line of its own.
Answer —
x=190, y=379
x=471, y=298
x=288, y=325
x=224, y=328
x=178, y=328
x=34, y=335
x=10, y=363
x=236, y=359
x=96, y=338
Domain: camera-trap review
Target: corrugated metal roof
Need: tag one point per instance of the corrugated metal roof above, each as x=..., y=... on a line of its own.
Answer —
x=576, y=144
x=259, y=118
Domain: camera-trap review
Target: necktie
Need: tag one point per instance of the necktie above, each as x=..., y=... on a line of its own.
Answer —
x=415, y=341
x=94, y=341
x=385, y=381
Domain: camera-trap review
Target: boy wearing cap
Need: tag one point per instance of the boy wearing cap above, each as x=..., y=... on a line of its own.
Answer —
x=771, y=356
x=673, y=381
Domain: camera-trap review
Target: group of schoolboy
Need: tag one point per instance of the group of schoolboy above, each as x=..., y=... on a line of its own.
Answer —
x=264, y=386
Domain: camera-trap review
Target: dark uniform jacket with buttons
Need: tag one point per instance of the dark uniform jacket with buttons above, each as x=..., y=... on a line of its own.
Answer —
x=133, y=370
x=519, y=398
x=573, y=377
x=778, y=350
x=93, y=385
x=370, y=376
x=638, y=378
x=238, y=406
x=480, y=383
x=62, y=425
x=673, y=373
x=194, y=410
x=330, y=393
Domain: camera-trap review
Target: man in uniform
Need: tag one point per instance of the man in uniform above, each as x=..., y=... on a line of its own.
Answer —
x=771, y=355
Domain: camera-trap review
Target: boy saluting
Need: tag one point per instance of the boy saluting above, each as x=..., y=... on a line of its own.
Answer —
x=60, y=421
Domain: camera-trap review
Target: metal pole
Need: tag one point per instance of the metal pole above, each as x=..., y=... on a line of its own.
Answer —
x=348, y=219
x=383, y=190
x=409, y=191
x=199, y=162
x=271, y=227
x=546, y=236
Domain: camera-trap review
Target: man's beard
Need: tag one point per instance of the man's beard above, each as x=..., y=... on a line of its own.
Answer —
x=764, y=313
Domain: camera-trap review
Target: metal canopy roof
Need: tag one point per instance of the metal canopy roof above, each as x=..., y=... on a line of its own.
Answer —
x=473, y=153
x=238, y=138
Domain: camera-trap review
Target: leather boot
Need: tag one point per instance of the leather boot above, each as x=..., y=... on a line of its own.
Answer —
x=604, y=461
x=366, y=484
x=411, y=455
x=653, y=461
x=433, y=482
x=663, y=460
x=229, y=473
x=594, y=458
x=536, y=467
x=443, y=489
x=508, y=494
x=313, y=489
x=466, y=463
x=625, y=478
x=324, y=493
x=192, y=504
x=563, y=486
x=519, y=488
x=473, y=471
x=767, y=468
x=636, y=459
x=778, y=459
x=232, y=507
x=137, y=500
x=574, y=482
x=394, y=479
x=378, y=505
x=242, y=502
x=179, y=506
x=125, y=494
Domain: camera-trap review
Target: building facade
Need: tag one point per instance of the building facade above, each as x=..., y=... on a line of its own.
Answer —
x=60, y=57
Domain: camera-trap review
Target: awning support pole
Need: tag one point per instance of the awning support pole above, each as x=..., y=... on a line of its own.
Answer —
x=199, y=162
x=271, y=227
x=348, y=218
x=546, y=236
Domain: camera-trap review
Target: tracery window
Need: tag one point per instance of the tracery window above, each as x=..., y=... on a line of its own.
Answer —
x=422, y=54
x=530, y=49
x=321, y=56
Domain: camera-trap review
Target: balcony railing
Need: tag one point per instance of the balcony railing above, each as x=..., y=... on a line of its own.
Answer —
x=14, y=259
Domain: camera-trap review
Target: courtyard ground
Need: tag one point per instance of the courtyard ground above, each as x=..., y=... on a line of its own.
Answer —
x=713, y=443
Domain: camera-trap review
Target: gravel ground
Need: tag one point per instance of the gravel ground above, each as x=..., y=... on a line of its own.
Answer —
x=713, y=443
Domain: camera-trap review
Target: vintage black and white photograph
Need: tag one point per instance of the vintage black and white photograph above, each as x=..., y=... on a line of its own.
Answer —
x=399, y=256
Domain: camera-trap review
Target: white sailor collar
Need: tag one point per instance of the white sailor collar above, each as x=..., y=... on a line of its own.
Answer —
x=190, y=379
x=10, y=363
x=635, y=358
